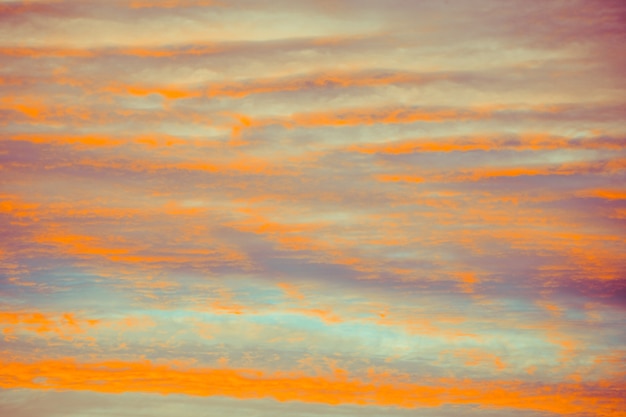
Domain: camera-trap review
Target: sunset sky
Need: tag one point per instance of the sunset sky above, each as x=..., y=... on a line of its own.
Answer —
x=306, y=208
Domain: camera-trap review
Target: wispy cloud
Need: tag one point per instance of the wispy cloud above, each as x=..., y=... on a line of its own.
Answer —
x=312, y=208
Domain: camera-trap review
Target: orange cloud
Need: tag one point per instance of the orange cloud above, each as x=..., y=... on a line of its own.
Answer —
x=228, y=163
x=326, y=315
x=16, y=207
x=398, y=178
x=152, y=141
x=64, y=325
x=570, y=168
x=341, y=80
x=117, y=377
x=533, y=142
x=372, y=116
x=291, y=291
x=482, y=173
x=117, y=249
x=604, y=193
x=355, y=117
x=168, y=92
x=36, y=52
x=145, y=52
x=294, y=237
x=36, y=109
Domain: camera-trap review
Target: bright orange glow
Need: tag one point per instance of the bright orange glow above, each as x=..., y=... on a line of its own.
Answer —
x=118, y=377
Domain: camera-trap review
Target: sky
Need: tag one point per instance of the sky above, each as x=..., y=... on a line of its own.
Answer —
x=313, y=208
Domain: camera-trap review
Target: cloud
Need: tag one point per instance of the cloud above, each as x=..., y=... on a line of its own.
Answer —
x=118, y=377
x=312, y=208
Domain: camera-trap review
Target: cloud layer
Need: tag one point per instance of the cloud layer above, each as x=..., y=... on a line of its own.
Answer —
x=312, y=208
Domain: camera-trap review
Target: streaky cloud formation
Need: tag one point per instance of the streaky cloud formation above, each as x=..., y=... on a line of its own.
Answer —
x=338, y=208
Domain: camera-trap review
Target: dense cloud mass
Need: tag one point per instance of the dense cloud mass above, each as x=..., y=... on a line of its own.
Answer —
x=312, y=208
